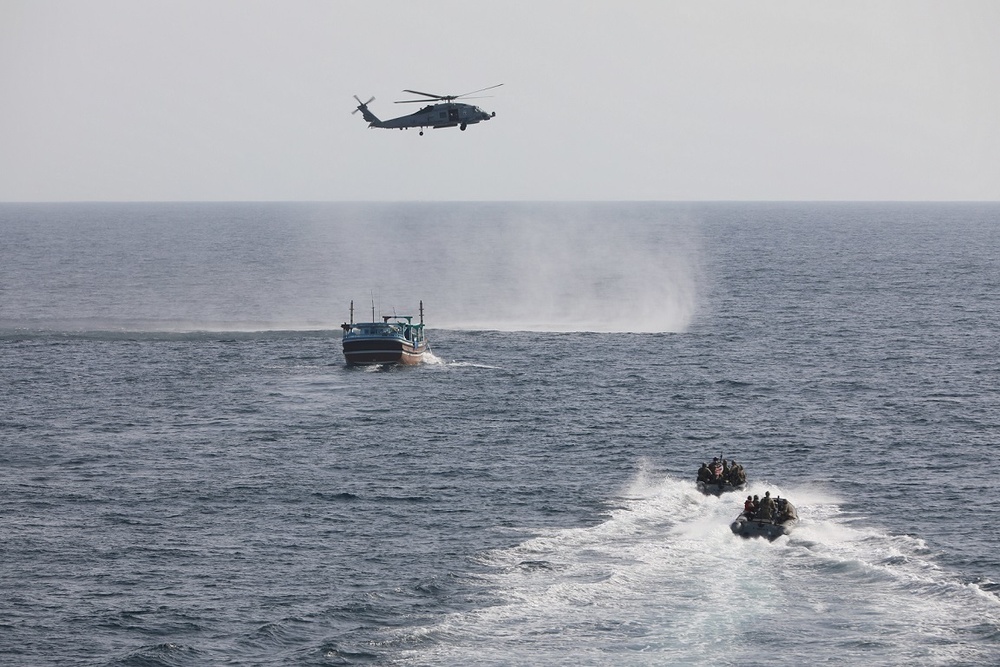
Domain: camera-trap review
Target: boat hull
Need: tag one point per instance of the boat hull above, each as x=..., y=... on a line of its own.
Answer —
x=382, y=350
x=770, y=529
x=718, y=488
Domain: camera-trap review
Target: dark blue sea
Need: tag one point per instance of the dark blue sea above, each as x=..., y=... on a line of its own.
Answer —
x=190, y=475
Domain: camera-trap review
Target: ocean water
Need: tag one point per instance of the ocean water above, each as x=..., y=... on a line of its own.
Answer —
x=190, y=475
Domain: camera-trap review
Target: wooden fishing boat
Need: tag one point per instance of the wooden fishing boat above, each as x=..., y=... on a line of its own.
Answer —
x=394, y=340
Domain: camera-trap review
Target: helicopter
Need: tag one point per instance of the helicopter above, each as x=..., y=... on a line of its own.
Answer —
x=446, y=113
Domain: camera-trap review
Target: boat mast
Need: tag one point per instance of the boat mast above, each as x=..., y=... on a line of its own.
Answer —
x=352, y=312
x=421, y=311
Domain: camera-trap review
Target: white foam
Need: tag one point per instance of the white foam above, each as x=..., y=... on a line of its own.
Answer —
x=432, y=359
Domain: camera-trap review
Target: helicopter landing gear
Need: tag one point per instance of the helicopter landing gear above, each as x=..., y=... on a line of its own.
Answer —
x=462, y=127
x=421, y=133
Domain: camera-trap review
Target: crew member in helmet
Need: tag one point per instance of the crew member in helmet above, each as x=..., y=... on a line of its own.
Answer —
x=766, y=506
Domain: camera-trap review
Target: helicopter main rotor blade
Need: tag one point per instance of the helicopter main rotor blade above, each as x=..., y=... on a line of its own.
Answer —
x=417, y=92
x=443, y=98
x=478, y=91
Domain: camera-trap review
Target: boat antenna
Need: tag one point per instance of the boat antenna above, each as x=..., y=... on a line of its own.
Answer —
x=352, y=312
x=373, y=306
x=421, y=311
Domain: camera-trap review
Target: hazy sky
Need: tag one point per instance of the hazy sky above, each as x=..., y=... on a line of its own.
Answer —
x=617, y=100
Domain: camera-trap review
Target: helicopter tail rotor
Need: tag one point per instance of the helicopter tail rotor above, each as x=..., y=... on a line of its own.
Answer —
x=362, y=105
x=373, y=120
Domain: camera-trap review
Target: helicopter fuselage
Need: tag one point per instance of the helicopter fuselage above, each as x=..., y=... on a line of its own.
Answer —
x=446, y=114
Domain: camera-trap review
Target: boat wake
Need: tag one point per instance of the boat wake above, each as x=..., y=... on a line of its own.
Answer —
x=664, y=576
x=470, y=364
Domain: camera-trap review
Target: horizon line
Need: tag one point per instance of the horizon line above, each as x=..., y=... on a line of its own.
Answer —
x=500, y=201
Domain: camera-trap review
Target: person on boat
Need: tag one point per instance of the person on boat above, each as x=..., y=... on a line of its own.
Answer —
x=737, y=475
x=748, y=507
x=767, y=506
x=704, y=474
x=716, y=469
x=756, y=504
